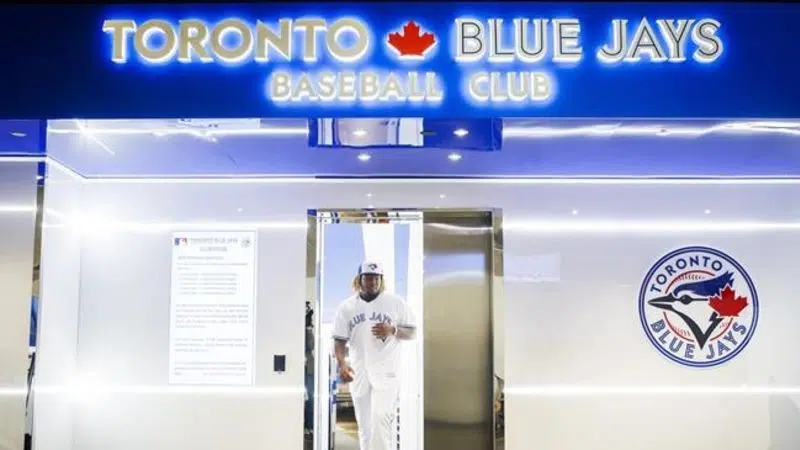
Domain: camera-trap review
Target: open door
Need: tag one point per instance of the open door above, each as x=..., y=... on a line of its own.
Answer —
x=443, y=265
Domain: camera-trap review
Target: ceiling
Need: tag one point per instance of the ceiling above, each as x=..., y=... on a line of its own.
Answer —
x=531, y=148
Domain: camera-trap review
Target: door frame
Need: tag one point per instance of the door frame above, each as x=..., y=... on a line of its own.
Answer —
x=314, y=255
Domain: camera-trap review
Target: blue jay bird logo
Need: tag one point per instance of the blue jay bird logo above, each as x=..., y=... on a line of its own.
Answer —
x=686, y=294
x=698, y=306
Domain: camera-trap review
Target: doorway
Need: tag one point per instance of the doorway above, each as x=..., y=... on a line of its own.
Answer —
x=447, y=266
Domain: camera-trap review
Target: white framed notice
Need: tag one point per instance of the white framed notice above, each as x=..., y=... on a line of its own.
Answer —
x=212, y=308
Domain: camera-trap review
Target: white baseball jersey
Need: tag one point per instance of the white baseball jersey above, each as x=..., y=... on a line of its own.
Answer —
x=374, y=361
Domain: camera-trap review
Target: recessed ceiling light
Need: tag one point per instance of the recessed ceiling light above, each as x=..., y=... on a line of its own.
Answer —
x=442, y=196
x=708, y=211
x=239, y=209
x=454, y=157
x=369, y=194
x=364, y=157
x=461, y=132
x=574, y=212
x=18, y=134
x=360, y=133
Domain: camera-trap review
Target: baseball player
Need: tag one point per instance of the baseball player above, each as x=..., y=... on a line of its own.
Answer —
x=372, y=323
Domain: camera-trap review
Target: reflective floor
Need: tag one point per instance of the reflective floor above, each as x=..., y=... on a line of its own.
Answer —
x=346, y=437
x=346, y=430
x=437, y=437
x=456, y=437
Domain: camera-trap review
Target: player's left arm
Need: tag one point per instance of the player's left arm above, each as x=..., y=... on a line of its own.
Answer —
x=406, y=327
x=406, y=332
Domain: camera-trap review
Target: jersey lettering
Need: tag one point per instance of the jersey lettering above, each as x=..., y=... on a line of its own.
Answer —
x=357, y=319
x=376, y=317
x=381, y=318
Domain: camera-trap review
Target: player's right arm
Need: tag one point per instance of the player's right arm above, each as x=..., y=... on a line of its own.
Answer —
x=341, y=334
x=345, y=372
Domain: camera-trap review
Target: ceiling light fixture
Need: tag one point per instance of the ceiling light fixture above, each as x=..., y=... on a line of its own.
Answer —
x=364, y=157
x=512, y=131
x=454, y=157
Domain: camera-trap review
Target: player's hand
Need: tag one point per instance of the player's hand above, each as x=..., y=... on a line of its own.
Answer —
x=382, y=330
x=346, y=374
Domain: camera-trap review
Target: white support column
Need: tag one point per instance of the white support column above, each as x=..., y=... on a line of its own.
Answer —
x=411, y=393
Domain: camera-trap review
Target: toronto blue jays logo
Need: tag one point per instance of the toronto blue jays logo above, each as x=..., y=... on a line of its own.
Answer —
x=698, y=306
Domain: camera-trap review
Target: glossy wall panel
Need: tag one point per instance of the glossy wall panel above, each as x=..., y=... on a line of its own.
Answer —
x=17, y=226
x=56, y=385
x=574, y=256
x=458, y=367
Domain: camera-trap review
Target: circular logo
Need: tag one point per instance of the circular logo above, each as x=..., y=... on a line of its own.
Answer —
x=698, y=306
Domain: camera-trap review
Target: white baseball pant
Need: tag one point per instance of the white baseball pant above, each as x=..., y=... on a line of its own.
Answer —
x=376, y=412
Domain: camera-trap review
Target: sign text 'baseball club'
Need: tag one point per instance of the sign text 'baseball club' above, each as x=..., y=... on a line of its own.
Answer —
x=698, y=306
x=347, y=42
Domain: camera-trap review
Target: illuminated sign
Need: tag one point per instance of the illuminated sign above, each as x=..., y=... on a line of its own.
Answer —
x=311, y=60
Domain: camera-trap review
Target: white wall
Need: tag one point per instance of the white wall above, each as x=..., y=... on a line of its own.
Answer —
x=17, y=222
x=55, y=384
x=570, y=309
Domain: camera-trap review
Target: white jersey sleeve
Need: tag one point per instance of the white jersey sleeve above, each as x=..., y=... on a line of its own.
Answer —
x=341, y=330
x=407, y=319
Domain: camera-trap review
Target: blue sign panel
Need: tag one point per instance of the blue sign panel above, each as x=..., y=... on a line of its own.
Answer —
x=464, y=134
x=22, y=137
x=391, y=59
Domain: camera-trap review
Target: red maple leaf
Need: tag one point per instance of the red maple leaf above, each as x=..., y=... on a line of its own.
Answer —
x=728, y=304
x=411, y=43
